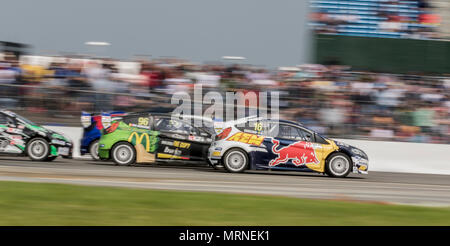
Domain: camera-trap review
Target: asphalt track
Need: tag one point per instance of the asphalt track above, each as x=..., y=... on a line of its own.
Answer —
x=418, y=189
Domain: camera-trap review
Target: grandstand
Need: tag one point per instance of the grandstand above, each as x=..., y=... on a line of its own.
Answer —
x=373, y=18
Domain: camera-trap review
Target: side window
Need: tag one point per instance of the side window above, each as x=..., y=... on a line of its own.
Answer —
x=262, y=127
x=253, y=127
x=3, y=119
x=141, y=121
x=6, y=120
x=305, y=135
x=289, y=132
x=319, y=139
x=175, y=126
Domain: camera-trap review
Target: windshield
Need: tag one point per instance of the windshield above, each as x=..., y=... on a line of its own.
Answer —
x=25, y=120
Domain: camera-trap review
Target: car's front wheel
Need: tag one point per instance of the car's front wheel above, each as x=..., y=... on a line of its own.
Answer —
x=235, y=160
x=38, y=149
x=338, y=165
x=123, y=153
x=93, y=150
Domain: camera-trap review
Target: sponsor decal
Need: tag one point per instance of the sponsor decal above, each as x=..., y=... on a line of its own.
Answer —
x=138, y=126
x=112, y=128
x=247, y=138
x=137, y=138
x=58, y=142
x=172, y=151
x=21, y=126
x=178, y=136
x=197, y=138
x=216, y=153
x=177, y=144
x=182, y=145
x=164, y=142
x=224, y=133
x=13, y=130
x=16, y=137
x=169, y=156
x=300, y=153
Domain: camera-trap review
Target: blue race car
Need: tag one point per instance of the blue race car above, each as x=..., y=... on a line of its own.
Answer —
x=92, y=126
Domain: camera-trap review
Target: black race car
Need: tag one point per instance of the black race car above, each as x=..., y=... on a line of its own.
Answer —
x=20, y=136
x=150, y=137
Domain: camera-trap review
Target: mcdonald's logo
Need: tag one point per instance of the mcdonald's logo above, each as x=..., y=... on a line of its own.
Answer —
x=138, y=140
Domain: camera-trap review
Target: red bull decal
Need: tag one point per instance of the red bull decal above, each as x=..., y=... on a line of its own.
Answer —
x=300, y=152
x=247, y=138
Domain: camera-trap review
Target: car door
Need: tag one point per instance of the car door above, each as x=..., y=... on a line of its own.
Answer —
x=180, y=140
x=292, y=147
x=11, y=135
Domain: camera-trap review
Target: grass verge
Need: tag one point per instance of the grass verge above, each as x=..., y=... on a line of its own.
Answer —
x=59, y=204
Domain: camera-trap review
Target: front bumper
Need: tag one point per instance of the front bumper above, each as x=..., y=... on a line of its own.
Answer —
x=360, y=165
x=61, y=150
x=215, y=155
x=103, y=153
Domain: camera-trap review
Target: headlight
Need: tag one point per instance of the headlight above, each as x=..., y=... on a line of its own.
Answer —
x=358, y=152
x=58, y=142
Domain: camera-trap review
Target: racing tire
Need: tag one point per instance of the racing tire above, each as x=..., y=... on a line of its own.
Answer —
x=38, y=149
x=235, y=160
x=51, y=158
x=338, y=165
x=123, y=153
x=93, y=150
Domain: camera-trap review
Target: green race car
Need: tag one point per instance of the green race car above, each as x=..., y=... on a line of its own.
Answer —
x=149, y=137
x=19, y=136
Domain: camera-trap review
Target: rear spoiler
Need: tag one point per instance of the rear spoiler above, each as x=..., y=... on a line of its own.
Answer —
x=88, y=118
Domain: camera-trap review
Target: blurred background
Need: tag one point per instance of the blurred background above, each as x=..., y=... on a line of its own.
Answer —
x=364, y=69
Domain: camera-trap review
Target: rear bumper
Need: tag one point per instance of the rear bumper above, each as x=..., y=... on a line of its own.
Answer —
x=103, y=154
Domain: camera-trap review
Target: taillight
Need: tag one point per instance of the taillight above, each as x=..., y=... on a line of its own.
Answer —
x=224, y=133
x=112, y=128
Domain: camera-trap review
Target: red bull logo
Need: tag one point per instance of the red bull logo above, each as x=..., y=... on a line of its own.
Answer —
x=300, y=153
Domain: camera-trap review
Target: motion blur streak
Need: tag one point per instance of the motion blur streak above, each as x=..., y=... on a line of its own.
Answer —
x=423, y=189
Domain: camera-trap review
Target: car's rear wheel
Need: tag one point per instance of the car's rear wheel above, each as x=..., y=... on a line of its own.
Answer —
x=38, y=149
x=235, y=160
x=338, y=165
x=93, y=150
x=123, y=153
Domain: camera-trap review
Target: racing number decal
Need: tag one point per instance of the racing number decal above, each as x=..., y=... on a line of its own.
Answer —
x=143, y=121
x=247, y=138
x=258, y=127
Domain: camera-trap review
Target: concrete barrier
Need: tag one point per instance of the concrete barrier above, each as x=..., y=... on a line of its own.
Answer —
x=405, y=157
x=74, y=133
x=383, y=156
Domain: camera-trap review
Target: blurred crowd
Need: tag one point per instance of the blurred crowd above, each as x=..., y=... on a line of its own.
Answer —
x=380, y=18
x=333, y=100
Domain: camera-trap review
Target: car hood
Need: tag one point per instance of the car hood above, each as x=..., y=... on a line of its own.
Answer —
x=49, y=133
x=352, y=150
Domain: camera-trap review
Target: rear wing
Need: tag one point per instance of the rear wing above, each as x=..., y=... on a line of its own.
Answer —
x=87, y=119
